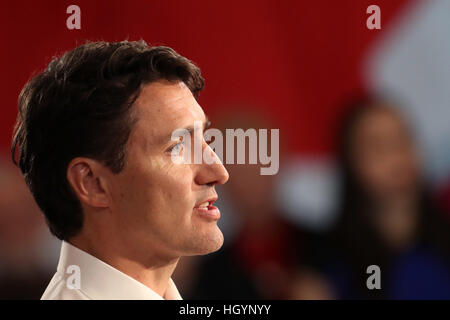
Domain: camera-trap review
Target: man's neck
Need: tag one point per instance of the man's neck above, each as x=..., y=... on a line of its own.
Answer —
x=149, y=269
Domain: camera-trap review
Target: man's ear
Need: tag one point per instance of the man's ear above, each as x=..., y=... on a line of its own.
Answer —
x=88, y=180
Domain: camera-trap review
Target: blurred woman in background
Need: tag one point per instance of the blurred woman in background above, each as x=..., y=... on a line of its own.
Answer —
x=387, y=217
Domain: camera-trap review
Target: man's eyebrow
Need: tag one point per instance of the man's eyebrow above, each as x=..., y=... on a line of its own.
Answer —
x=190, y=129
x=206, y=125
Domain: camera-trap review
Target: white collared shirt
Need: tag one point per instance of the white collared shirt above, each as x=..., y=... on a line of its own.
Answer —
x=97, y=280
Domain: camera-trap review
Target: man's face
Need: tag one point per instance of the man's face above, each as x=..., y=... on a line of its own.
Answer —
x=155, y=201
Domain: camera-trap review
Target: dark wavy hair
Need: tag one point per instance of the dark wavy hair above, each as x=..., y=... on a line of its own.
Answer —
x=81, y=106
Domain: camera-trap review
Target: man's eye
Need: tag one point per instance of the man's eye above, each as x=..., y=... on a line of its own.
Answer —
x=177, y=147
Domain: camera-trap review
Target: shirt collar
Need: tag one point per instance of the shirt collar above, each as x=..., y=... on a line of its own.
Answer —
x=100, y=281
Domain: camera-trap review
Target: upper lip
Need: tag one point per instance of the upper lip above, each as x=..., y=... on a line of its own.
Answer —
x=210, y=200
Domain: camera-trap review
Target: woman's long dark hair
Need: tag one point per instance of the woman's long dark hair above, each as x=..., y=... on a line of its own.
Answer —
x=354, y=237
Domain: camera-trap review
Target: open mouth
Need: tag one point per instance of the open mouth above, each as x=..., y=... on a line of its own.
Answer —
x=207, y=210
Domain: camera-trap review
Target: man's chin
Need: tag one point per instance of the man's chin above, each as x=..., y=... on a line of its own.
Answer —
x=209, y=244
x=218, y=244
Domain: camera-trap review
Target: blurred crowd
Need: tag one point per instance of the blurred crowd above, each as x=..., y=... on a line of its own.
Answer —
x=386, y=215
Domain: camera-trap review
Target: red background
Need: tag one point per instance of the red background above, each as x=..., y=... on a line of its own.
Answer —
x=294, y=59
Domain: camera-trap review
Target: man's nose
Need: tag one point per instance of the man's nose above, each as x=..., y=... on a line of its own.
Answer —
x=212, y=174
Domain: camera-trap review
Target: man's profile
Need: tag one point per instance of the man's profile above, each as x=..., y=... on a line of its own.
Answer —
x=93, y=140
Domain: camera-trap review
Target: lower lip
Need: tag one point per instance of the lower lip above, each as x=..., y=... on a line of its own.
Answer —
x=210, y=213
